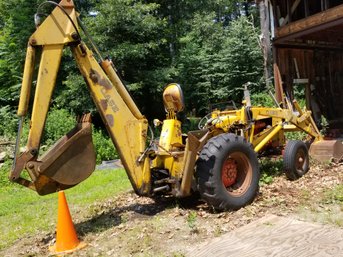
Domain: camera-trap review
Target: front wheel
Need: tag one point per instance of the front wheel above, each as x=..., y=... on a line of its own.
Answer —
x=227, y=172
x=295, y=159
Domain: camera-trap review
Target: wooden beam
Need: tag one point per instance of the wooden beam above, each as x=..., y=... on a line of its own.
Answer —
x=289, y=14
x=314, y=23
x=290, y=11
x=278, y=84
x=310, y=46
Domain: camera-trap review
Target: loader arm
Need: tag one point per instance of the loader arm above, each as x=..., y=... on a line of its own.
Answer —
x=71, y=159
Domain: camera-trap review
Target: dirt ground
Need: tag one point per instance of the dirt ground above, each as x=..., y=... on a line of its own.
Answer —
x=128, y=225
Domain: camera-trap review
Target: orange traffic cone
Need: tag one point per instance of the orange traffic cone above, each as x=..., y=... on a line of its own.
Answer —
x=66, y=238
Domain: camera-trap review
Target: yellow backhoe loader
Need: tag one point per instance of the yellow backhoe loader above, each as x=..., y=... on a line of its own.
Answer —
x=219, y=160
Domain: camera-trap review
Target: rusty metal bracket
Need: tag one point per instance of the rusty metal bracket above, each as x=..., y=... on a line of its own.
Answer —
x=20, y=163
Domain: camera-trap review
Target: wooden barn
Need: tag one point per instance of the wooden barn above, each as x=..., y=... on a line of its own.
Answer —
x=303, y=51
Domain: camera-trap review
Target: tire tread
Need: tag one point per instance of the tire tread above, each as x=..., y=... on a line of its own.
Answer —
x=205, y=174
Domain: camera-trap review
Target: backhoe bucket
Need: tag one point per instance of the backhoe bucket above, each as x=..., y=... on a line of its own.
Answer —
x=67, y=163
x=327, y=150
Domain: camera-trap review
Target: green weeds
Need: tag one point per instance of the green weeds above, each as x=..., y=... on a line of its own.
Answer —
x=326, y=209
x=191, y=221
x=333, y=196
x=269, y=169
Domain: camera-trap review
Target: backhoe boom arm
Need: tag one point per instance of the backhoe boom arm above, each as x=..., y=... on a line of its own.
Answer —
x=73, y=153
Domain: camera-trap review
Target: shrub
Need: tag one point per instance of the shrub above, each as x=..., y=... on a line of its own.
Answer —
x=262, y=99
x=58, y=123
x=104, y=147
x=4, y=172
x=8, y=124
x=296, y=135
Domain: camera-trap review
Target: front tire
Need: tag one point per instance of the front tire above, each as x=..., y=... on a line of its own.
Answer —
x=295, y=159
x=227, y=172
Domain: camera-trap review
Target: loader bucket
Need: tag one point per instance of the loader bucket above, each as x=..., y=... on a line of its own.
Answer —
x=67, y=163
x=327, y=150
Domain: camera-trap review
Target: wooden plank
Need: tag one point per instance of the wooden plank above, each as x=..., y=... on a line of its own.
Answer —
x=300, y=81
x=314, y=23
x=300, y=45
x=289, y=14
x=296, y=68
x=307, y=11
x=308, y=57
x=275, y=236
x=290, y=11
x=278, y=84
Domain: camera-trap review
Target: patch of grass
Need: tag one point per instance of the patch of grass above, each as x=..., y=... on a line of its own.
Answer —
x=270, y=168
x=191, y=221
x=266, y=179
x=138, y=239
x=4, y=172
x=327, y=209
x=328, y=214
x=305, y=196
x=274, y=201
x=334, y=195
x=23, y=212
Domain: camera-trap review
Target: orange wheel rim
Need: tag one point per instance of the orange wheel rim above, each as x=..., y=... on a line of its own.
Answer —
x=229, y=172
x=237, y=174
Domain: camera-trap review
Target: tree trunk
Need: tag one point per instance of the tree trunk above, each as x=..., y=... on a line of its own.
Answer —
x=246, y=8
x=265, y=40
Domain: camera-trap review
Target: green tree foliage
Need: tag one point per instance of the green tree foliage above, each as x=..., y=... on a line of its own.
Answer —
x=130, y=32
x=16, y=25
x=8, y=123
x=180, y=16
x=209, y=47
x=59, y=122
x=73, y=94
x=216, y=61
x=104, y=147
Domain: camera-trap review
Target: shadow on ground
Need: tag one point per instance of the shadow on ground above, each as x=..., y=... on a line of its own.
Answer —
x=108, y=218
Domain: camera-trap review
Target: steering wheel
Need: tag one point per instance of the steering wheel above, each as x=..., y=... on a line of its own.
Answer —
x=203, y=121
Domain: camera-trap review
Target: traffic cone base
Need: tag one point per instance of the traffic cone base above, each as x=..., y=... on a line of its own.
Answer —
x=53, y=250
x=66, y=238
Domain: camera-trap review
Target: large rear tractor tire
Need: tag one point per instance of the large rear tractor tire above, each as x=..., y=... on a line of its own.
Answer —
x=295, y=159
x=227, y=172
